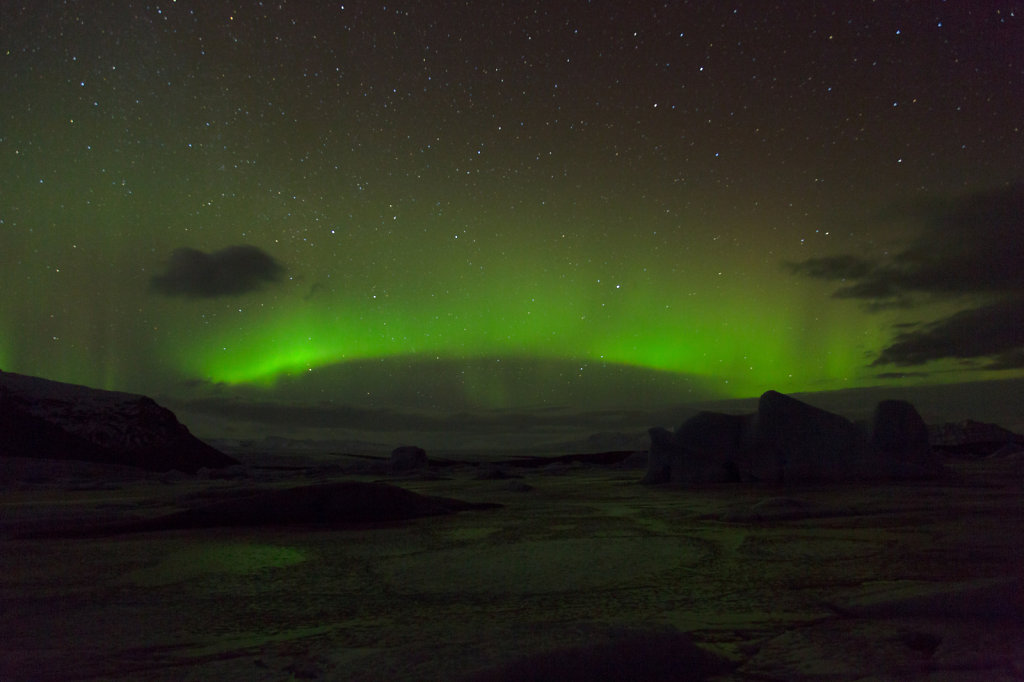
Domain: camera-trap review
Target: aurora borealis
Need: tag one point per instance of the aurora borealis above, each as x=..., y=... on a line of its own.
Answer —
x=513, y=203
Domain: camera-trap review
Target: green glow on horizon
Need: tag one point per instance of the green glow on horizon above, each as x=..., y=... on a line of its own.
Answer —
x=744, y=346
x=612, y=301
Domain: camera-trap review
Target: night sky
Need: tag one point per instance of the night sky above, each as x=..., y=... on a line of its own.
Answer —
x=500, y=205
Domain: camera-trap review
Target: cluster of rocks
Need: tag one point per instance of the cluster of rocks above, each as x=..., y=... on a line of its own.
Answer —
x=788, y=441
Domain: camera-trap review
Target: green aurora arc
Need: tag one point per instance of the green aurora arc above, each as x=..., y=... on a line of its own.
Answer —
x=736, y=323
x=700, y=344
x=735, y=342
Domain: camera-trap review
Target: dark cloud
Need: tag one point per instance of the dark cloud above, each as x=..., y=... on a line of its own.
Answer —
x=230, y=271
x=902, y=375
x=970, y=248
x=969, y=245
x=995, y=330
x=833, y=267
x=1011, y=359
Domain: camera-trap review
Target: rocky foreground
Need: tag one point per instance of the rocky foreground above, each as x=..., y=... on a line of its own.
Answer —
x=581, y=572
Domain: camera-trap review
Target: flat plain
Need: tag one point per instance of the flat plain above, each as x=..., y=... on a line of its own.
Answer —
x=907, y=581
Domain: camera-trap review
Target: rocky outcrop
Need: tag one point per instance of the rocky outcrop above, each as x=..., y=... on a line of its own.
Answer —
x=789, y=441
x=794, y=441
x=663, y=453
x=407, y=458
x=896, y=427
x=716, y=443
x=23, y=434
x=47, y=419
x=972, y=439
x=899, y=437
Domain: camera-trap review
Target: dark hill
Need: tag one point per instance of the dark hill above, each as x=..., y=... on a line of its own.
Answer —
x=46, y=419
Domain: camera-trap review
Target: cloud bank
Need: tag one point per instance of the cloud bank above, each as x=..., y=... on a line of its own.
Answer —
x=971, y=249
x=231, y=271
x=995, y=331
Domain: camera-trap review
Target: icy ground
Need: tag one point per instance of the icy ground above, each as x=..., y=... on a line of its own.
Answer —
x=883, y=582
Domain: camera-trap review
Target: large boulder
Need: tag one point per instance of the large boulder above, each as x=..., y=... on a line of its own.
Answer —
x=662, y=456
x=900, y=437
x=794, y=441
x=710, y=447
x=46, y=419
x=713, y=434
x=714, y=445
x=407, y=458
x=897, y=427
